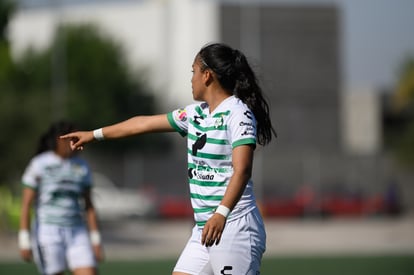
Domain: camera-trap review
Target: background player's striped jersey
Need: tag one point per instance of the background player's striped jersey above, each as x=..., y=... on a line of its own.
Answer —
x=59, y=184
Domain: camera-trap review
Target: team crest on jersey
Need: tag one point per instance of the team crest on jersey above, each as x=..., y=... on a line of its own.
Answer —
x=79, y=170
x=219, y=122
x=181, y=115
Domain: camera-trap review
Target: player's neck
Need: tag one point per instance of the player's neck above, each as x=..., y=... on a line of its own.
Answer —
x=215, y=98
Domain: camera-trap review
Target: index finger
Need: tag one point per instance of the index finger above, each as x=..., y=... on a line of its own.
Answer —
x=70, y=135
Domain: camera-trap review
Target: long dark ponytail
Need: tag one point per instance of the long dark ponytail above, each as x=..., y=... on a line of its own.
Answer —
x=48, y=140
x=234, y=74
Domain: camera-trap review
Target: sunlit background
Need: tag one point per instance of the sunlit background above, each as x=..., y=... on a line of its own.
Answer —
x=339, y=77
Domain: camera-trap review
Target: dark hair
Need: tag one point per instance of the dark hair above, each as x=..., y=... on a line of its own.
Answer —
x=47, y=141
x=234, y=74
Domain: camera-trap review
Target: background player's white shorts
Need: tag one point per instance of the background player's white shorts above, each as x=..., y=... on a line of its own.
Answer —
x=239, y=252
x=56, y=248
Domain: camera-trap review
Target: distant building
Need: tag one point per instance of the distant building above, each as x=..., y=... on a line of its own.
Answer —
x=297, y=52
x=329, y=138
x=362, y=122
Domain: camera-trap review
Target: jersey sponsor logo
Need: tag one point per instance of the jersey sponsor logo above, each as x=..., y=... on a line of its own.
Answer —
x=199, y=143
x=242, y=123
x=192, y=173
x=205, y=177
x=204, y=105
x=181, y=115
x=74, y=171
x=196, y=118
x=199, y=162
x=248, y=114
x=53, y=170
x=248, y=132
x=249, y=127
x=59, y=194
x=226, y=270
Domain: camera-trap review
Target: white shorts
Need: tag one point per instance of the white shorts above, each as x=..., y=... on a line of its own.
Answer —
x=57, y=248
x=240, y=250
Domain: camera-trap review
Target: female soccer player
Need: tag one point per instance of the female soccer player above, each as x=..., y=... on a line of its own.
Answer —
x=55, y=180
x=222, y=131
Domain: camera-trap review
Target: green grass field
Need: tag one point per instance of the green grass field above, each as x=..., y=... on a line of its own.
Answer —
x=335, y=265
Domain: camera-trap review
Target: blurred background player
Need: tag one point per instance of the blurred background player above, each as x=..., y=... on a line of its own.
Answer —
x=222, y=131
x=57, y=183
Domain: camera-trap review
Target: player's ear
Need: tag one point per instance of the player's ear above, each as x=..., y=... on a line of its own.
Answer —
x=208, y=76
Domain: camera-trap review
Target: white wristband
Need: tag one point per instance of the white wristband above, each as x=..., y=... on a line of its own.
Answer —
x=98, y=134
x=95, y=237
x=24, y=239
x=223, y=210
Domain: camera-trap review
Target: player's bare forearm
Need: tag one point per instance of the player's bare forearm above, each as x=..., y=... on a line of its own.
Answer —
x=138, y=125
x=215, y=225
x=24, y=237
x=92, y=221
x=242, y=165
x=91, y=215
x=27, y=199
x=134, y=126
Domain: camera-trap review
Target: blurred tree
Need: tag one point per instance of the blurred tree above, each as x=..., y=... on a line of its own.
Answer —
x=6, y=10
x=83, y=75
x=8, y=101
x=404, y=94
x=401, y=127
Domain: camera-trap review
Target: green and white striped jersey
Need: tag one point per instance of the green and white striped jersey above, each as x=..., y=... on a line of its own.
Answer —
x=210, y=140
x=59, y=184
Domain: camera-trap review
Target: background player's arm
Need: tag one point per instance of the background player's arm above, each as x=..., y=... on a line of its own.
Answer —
x=92, y=220
x=134, y=126
x=27, y=200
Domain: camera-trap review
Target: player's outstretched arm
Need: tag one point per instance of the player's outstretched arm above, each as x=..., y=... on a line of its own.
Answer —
x=134, y=126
